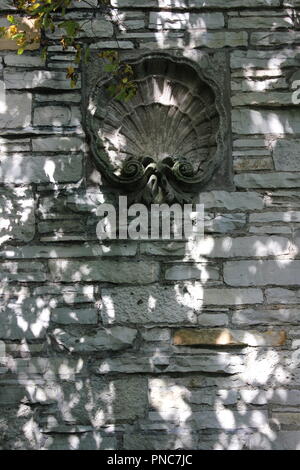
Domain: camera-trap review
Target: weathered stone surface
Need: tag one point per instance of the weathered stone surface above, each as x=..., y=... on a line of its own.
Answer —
x=171, y=20
x=286, y=155
x=271, y=230
x=277, y=396
x=6, y=5
x=282, y=296
x=24, y=318
x=82, y=316
x=22, y=271
x=146, y=3
x=107, y=271
x=259, y=22
x=82, y=251
x=268, y=180
x=287, y=419
x=19, y=169
x=253, y=152
x=36, y=79
x=291, y=3
x=130, y=364
x=255, y=85
x=261, y=273
x=183, y=271
x=95, y=28
x=159, y=441
x=59, y=292
x=255, y=59
x=250, y=121
x=264, y=98
x=15, y=111
x=252, y=164
x=23, y=60
x=213, y=319
x=274, y=39
x=67, y=295
x=17, y=214
x=80, y=441
x=232, y=201
x=218, y=419
x=219, y=39
x=170, y=304
x=265, y=217
x=229, y=247
x=266, y=316
x=62, y=226
x=113, y=339
x=225, y=337
x=47, y=368
x=14, y=145
x=224, y=223
x=287, y=440
x=225, y=247
x=112, y=45
x=56, y=116
x=164, y=393
x=70, y=97
x=156, y=334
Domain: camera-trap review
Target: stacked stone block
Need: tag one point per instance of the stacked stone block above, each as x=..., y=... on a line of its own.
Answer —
x=152, y=344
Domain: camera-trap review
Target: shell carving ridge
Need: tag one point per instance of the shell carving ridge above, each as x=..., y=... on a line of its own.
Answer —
x=164, y=143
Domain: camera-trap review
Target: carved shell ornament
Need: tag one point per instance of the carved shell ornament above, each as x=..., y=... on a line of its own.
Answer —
x=163, y=144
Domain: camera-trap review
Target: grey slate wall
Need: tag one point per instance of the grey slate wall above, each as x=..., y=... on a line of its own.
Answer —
x=90, y=334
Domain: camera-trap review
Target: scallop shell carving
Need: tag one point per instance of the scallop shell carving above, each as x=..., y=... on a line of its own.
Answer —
x=164, y=142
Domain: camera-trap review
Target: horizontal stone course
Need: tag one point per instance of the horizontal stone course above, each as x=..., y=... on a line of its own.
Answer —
x=70, y=251
x=170, y=20
x=223, y=247
x=197, y=271
x=22, y=271
x=261, y=273
x=51, y=144
x=219, y=419
x=113, y=339
x=107, y=271
x=271, y=180
x=130, y=364
x=232, y=201
x=266, y=217
x=36, y=79
x=16, y=110
x=20, y=169
x=250, y=121
x=56, y=116
x=67, y=316
x=177, y=304
x=278, y=295
x=266, y=316
x=260, y=22
x=274, y=39
x=152, y=344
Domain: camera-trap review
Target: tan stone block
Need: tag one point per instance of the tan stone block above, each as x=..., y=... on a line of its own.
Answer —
x=225, y=337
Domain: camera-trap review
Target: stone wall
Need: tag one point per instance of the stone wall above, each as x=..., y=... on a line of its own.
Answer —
x=152, y=345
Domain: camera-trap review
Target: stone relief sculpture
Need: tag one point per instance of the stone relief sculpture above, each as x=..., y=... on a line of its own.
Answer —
x=170, y=140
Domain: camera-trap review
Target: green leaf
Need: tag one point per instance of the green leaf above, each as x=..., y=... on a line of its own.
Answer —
x=10, y=18
x=20, y=50
x=111, y=68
